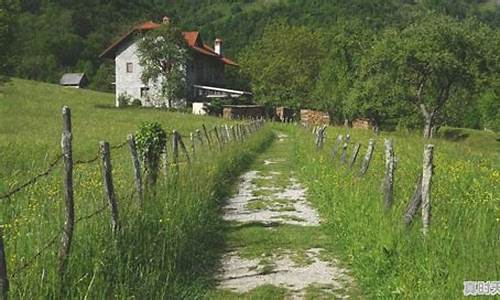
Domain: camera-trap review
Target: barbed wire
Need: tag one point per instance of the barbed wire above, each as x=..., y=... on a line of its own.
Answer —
x=97, y=156
x=83, y=162
x=119, y=146
x=34, y=179
x=30, y=261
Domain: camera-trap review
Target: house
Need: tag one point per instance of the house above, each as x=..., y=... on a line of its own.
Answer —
x=74, y=80
x=204, y=72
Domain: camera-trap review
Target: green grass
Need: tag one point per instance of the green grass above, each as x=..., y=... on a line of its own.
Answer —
x=388, y=260
x=167, y=249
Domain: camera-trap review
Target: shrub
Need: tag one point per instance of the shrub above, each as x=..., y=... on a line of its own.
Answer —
x=151, y=140
x=123, y=100
x=136, y=102
x=214, y=108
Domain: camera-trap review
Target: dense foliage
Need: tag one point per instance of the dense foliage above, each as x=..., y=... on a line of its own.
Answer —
x=151, y=140
x=432, y=62
x=284, y=64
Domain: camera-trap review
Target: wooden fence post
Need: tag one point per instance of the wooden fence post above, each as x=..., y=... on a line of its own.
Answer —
x=217, y=137
x=137, y=167
x=175, y=149
x=240, y=132
x=183, y=148
x=320, y=137
x=198, y=135
x=343, y=154
x=164, y=159
x=228, y=133
x=338, y=142
x=109, y=188
x=193, y=146
x=209, y=142
x=415, y=202
x=368, y=157
x=354, y=155
x=233, y=132
x=4, y=279
x=316, y=138
x=69, y=208
x=426, y=187
x=222, y=135
x=389, y=174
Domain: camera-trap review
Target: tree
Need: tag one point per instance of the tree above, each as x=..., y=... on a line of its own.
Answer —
x=284, y=64
x=163, y=55
x=431, y=62
x=347, y=41
x=8, y=9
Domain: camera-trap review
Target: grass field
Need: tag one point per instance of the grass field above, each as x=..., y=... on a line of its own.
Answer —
x=167, y=247
x=392, y=262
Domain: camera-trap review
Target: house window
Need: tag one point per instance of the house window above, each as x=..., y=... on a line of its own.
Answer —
x=130, y=67
x=144, y=92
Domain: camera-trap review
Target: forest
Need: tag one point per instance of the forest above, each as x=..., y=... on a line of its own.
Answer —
x=315, y=54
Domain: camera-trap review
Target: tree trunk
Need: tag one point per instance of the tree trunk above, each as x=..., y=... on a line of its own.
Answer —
x=428, y=127
x=429, y=121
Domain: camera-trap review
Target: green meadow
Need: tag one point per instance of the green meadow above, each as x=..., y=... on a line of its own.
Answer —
x=169, y=245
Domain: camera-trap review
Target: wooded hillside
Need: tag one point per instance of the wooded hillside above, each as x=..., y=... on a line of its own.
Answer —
x=45, y=38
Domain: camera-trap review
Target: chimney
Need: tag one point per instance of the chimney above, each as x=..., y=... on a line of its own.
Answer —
x=166, y=20
x=218, y=46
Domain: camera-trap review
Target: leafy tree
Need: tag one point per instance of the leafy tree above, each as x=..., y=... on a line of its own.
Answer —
x=489, y=108
x=284, y=64
x=8, y=9
x=430, y=63
x=163, y=55
x=347, y=41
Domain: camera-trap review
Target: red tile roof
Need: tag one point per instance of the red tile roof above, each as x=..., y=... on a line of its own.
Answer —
x=193, y=39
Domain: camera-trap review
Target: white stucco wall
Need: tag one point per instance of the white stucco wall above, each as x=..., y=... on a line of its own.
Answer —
x=198, y=108
x=130, y=84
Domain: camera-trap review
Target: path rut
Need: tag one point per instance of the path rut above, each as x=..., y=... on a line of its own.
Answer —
x=272, y=244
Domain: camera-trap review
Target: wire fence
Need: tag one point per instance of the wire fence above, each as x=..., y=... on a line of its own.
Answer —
x=421, y=199
x=213, y=139
x=33, y=180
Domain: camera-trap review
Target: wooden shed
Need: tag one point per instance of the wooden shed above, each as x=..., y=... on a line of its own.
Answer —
x=243, y=111
x=75, y=80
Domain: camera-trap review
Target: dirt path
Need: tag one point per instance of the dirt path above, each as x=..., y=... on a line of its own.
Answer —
x=276, y=245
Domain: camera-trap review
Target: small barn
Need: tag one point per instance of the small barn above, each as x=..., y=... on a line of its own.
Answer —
x=74, y=80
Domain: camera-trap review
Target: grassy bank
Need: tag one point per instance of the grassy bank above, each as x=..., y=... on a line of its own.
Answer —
x=167, y=245
x=388, y=260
